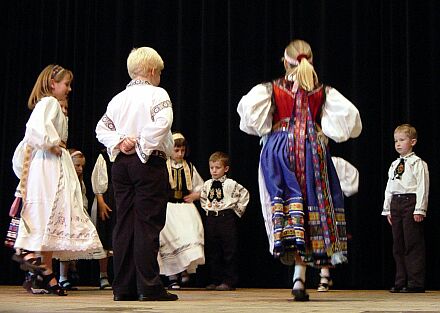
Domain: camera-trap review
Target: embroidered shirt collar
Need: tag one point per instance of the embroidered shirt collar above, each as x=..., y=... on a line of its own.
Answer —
x=407, y=156
x=134, y=82
x=221, y=179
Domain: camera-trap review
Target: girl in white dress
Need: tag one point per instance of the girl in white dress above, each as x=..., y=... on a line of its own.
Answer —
x=53, y=222
x=182, y=238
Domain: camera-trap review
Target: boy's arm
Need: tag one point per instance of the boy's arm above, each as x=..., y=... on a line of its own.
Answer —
x=204, y=196
x=243, y=199
x=422, y=176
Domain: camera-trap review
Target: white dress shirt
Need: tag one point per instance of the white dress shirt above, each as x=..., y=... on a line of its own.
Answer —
x=141, y=111
x=235, y=197
x=415, y=179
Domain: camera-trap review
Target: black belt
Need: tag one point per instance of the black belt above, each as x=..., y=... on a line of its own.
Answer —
x=159, y=154
x=220, y=213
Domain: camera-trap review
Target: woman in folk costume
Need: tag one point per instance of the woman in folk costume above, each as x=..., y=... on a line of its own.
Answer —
x=53, y=222
x=182, y=239
x=301, y=196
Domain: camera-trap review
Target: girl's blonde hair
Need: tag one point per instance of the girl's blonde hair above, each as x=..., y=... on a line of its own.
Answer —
x=42, y=85
x=142, y=60
x=299, y=58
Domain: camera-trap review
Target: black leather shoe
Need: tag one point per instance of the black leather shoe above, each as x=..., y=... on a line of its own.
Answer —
x=412, y=290
x=124, y=297
x=396, y=289
x=162, y=296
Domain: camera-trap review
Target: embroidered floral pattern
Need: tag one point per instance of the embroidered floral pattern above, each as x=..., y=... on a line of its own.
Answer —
x=159, y=107
x=108, y=122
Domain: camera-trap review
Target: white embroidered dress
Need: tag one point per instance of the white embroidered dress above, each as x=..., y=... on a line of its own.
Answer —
x=182, y=238
x=53, y=218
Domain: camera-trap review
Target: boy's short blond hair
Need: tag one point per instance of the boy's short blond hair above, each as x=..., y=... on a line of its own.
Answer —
x=141, y=60
x=407, y=129
x=220, y=156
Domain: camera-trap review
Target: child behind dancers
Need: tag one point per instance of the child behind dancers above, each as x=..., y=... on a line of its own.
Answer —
x=224, y=201
x=181, y=240
x=102, y=212
x=405, y=206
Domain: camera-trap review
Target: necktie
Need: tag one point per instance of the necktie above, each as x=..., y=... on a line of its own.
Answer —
x=400, y=169
x=216, y=191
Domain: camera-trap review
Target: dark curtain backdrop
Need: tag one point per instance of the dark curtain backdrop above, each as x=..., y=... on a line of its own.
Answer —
x=382, y=55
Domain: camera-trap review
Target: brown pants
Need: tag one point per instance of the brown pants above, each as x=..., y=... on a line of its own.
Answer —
x=408, y=242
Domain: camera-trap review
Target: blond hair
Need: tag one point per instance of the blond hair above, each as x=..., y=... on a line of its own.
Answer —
x=407, y=129
x=141, y=60
x=301, y=52
x=42, y=86
x=221, y=157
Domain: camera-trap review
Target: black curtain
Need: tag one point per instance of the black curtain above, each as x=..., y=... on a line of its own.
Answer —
x=382, y=55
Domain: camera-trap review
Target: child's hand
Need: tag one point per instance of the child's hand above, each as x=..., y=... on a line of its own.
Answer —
x=55, y=150
x=104, y=211
x=389, y=219
x=127, y=145
x=418, y=218
x=192, y=197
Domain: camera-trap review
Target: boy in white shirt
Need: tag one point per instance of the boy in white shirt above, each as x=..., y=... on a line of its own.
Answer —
x=224, y=201
x=405, y=206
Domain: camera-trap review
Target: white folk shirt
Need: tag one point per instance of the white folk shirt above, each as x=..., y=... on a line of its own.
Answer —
x=141, y=111
x=235, y=197
x=415, y=179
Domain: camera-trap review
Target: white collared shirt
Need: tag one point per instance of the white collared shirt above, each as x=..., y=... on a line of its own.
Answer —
x=141, y=111
x=235, y=196
x=415, y=179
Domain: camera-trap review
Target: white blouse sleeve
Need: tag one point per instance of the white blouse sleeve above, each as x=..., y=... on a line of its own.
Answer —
x=197, y=181
x=99, y=176
x=40, y=129
x=255, y=110
x=348, y=176
x=422, y=176
x=340, y=118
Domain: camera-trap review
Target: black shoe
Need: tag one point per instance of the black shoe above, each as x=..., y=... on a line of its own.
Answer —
x=396, y=289
x=224, y=287
x=300, y=294
x=412, y=290
x=161, y=296
x=211, y=287
x=125, y=297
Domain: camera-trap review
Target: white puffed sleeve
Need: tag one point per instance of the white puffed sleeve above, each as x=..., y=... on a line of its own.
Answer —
x=340, y=118
x=41, y=132
x=255, y=110
x=348, y=176
x=197, y=181
x=99, y=176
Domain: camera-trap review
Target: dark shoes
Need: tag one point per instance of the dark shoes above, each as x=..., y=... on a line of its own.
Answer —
x=413, y=290
x=221, y=287
x=396, y=289
x=300, y=294
x=123, y=297
x=224, y=287
x=162, y=296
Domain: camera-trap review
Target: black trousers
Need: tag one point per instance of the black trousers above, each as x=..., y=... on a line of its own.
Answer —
x=221, y=247
x=408, y=242
x=141, y=194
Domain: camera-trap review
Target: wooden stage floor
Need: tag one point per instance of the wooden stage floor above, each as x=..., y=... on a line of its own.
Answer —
x=91, y=300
